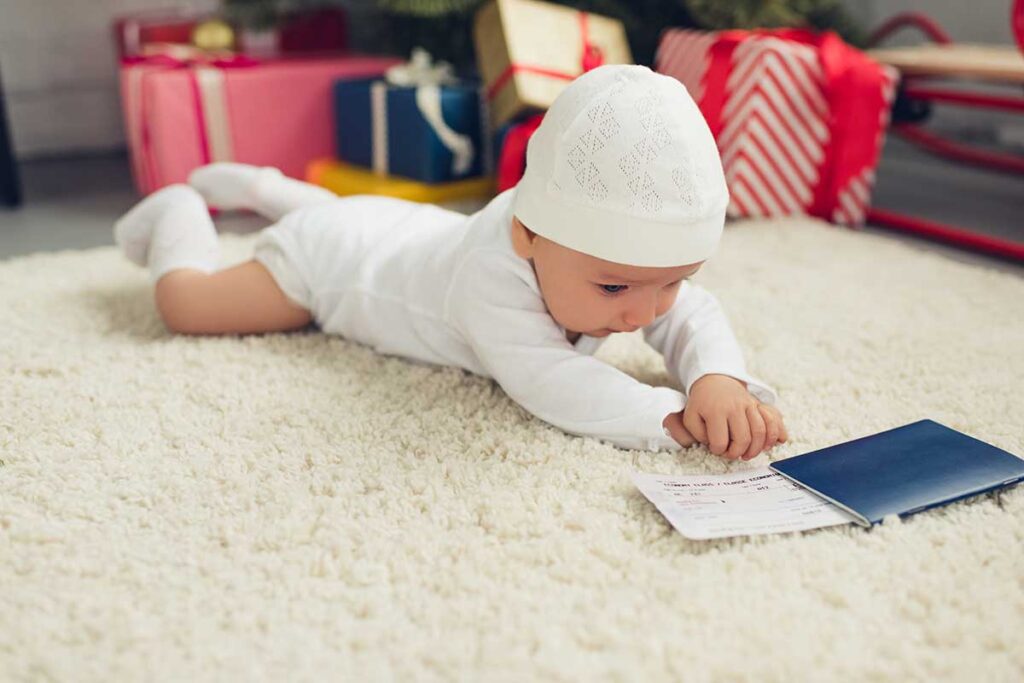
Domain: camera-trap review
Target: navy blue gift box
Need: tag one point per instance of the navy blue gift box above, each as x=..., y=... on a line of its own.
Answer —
x=408, y=146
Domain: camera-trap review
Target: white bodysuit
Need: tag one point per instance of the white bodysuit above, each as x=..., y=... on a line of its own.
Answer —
x=437, y=286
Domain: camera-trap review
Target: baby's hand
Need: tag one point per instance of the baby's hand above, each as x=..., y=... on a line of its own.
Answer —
x=721, y=414
x=674, y=424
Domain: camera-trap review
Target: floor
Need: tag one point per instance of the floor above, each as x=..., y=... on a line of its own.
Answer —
x=207, y=510
x=72, y=203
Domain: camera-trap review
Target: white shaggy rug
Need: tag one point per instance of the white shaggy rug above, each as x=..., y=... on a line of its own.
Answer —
x=295, y=507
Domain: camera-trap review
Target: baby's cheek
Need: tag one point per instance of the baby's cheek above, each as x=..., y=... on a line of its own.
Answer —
x=572, y=312
x=667, y=301
x=572, y=317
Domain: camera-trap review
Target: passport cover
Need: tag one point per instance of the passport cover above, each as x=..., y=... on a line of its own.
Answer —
x=903, y=470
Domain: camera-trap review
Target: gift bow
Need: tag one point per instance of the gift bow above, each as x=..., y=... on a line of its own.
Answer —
x=175, y=56
x=591, y=57
x=427, y=78
x=419, y=71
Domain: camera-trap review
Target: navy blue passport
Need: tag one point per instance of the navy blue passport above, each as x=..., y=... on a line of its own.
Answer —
x=902, y=471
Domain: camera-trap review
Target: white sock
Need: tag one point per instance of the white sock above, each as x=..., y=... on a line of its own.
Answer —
x=169, y=230
x=264, y=190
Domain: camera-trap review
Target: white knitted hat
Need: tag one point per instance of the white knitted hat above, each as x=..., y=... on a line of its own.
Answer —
x=624, y=168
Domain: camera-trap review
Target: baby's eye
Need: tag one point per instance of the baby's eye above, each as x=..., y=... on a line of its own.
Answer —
x=613, y=289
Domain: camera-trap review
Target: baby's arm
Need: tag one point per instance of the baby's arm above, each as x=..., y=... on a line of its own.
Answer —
x=696, y=339
x=524, y=350
x=727, y=408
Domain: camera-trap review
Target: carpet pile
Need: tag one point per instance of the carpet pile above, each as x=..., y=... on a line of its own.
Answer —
x=294, y=507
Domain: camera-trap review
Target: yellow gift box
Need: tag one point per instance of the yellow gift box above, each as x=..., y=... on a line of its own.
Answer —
x=528, y=51
x=344, y=180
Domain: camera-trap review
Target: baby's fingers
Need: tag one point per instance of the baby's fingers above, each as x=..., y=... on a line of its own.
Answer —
x=775, y=430
x=677, y=430
x=758, y=433
x=718, y=434
x=739, y=433
x=694, y=424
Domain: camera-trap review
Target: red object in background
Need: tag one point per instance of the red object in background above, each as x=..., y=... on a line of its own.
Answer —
x=134, y=31
x=964, y=239
x=954, y=150
x=921, y=22
x=316, y=31
x=799, y=117
x=512, y=159
x=1018, y=23
x=322, y=30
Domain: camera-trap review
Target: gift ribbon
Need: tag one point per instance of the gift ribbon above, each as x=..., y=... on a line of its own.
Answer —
x=379, y=121
x=591, y=57
x=428, y=79
x=512, y=160
x=208, y=89
x=846, y=70
x=420, y=70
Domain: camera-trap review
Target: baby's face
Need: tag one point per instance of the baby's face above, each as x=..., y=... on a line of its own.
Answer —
x=597, y=297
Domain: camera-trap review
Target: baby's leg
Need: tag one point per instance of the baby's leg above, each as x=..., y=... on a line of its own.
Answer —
x=240, y=300
x=171, y=232
x=264, y=190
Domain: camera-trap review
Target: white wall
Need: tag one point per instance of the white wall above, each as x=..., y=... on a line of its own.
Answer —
x=57, y=59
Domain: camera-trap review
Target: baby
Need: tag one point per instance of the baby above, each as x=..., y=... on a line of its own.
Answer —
x=622, y=201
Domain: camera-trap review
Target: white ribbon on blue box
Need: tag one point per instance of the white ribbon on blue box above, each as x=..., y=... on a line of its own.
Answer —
x=419, y=122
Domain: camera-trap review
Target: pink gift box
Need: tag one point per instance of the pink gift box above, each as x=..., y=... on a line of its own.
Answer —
x=182, y=113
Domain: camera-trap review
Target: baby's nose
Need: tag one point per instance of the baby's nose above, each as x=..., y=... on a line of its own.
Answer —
x=640, y=315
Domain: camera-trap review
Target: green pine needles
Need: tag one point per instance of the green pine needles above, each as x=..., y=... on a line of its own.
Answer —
x=444, y=27
x=428, y=8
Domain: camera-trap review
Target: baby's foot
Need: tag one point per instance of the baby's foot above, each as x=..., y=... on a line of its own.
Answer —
x=169, y=230
x=230, y=186
x=134, y=231
x=263, y=189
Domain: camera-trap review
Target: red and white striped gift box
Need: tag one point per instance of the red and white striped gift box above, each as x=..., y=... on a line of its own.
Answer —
x=799, y=117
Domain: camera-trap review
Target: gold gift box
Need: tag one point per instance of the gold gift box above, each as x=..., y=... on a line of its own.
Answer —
x=536, y=48
x=344, y=180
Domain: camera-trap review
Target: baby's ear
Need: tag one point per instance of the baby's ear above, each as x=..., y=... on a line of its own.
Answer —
x=522, y=239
